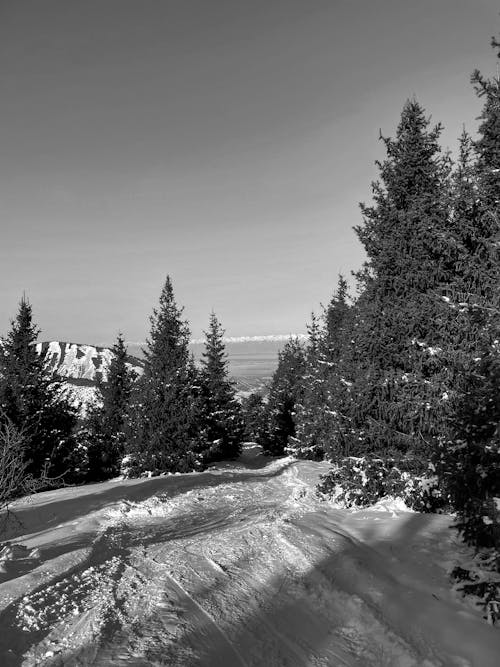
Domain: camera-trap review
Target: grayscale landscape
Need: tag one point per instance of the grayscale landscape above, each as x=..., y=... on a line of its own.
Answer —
x=249, y=333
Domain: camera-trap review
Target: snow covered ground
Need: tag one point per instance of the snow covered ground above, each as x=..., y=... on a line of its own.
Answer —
x=238, y=566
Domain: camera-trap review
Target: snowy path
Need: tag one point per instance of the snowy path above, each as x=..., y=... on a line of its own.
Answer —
x=240, y=567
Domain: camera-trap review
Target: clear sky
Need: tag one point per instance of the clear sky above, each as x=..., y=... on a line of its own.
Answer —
x=224, y=142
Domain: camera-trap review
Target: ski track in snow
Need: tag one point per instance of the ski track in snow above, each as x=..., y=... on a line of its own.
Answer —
x=241, y=566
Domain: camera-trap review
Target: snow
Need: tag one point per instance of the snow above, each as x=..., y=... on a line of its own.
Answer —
x=82, y=362
x=79, y=361
x=242, y=565
x=82, y=397
x=390, y=504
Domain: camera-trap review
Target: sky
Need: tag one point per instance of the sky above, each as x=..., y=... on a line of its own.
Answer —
x=226, y=143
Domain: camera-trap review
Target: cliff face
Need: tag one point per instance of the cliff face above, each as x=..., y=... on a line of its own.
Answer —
x=81, y=366
x=84, y=364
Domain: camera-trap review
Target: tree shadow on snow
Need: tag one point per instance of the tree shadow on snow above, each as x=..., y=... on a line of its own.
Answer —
x=348, y=592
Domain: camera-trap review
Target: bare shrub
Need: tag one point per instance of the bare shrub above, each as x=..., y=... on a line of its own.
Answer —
x=15, y=481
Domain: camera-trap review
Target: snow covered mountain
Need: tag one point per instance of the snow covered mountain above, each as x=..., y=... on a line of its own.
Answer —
x=81, y=366
x=78, y=362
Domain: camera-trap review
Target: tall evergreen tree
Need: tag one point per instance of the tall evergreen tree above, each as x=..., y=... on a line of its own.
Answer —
x=220, y=413
x=162, y=434
x=34, y=401
x=470, y=462
x=487, y=145
x=470, y=459
x=284, y=397
x=253, y=409
x=106, y=421
x=335, y=317
x=398, y=340
x=326, y=384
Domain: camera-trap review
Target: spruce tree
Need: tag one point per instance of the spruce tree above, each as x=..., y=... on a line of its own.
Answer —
x=335, y=318
x=253, y=409
x=284, y=398
x=309, y=409
x=326, y=384
x=162, y=433
x=397, y=336
x=105, y=424
x=34, y=402
x=221, y=419
x=487, y=145
x=470, y=458
x=470, y=462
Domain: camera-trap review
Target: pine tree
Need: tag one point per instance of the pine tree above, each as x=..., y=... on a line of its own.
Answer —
x=220, y=413
x=34, y=402
x=284, y=397
x=253, y=409
x=335, y=316
x=162, y=433
x=470, y=459
x=488, y=146
x=399, y=380
x=320, y=416
x=469, y=287
x=105, y=424
x=310, y=408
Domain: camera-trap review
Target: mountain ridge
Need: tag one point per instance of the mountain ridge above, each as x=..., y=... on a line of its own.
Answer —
x=79, y=361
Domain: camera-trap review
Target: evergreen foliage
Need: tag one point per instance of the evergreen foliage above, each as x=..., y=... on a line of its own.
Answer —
x=221, y=420
x=253, y=407
x=362, y=481
x=403, y=380
x=470, y=462
x=470, y=458
x=34, y=402
x=162, y=432
x=106, y=422
x=412, y=368
x=416, y=373
x=375, y=381
x=399, y=380
x=320, y=420
x=284, y=396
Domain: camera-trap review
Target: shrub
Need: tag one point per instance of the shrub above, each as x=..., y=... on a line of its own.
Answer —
x=15, y=480
x=359, y=482
x=480, y=580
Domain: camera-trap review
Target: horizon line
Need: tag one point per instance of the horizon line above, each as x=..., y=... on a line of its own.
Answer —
x=239, y=339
